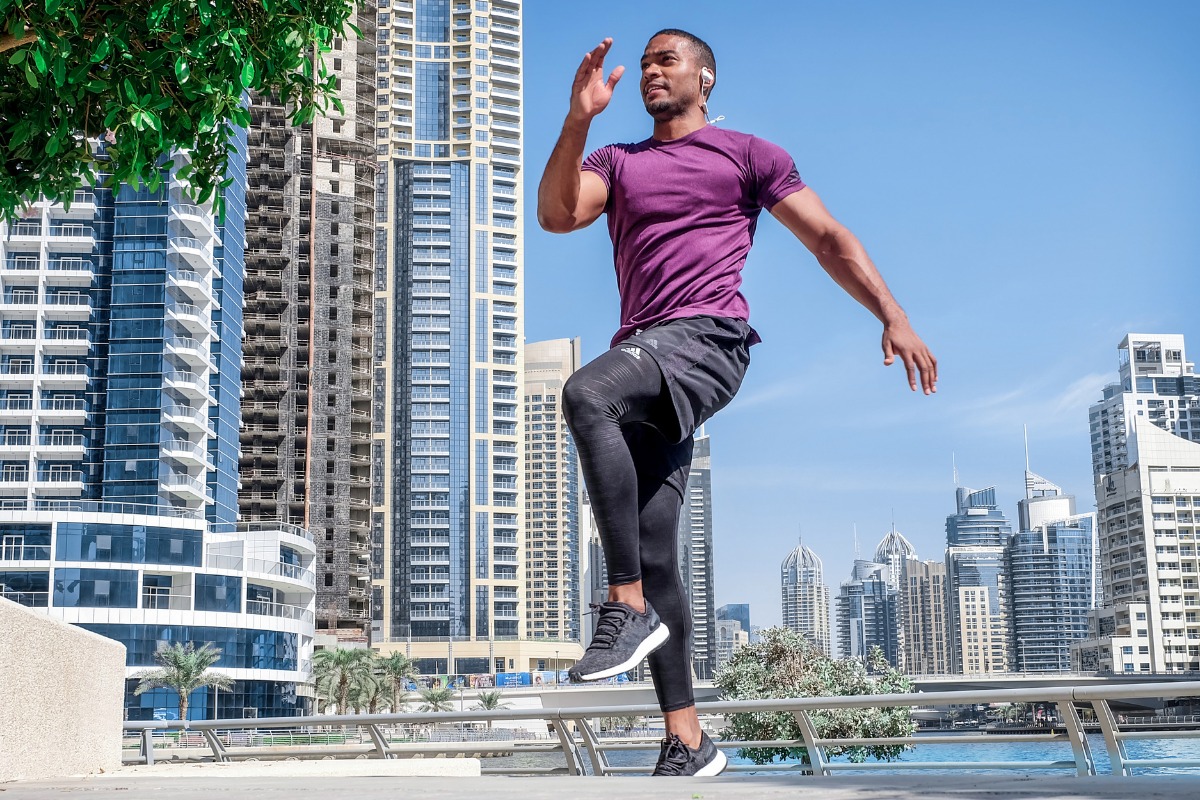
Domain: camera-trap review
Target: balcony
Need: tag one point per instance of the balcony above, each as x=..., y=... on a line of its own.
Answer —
x=185, y=487
x=24, y=235
x=18, y=371
x=191, y=351
x=73, y=271
x=58, y=481
x=14, y=409
x=187, y=418
x=185, y=452
x=191, y=317
x=192, y=284
x=66, y=339
x=281, y=610
x=192, y=251
x=65, y=375
x=83, y=206
x=62, y=409
x=190, y=384
x=71, y=237
x=198, y=221
x=74, y=306
x=68, y=445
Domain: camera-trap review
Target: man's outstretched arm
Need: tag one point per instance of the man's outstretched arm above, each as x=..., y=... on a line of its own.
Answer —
x=569, y=198
x=846, y=260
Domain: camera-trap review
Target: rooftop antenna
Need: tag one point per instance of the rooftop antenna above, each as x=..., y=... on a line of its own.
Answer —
x=954, y=465
x=856, y=551
x=1025, y=428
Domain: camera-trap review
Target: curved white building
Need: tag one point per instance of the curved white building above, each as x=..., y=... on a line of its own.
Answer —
x=149, y=580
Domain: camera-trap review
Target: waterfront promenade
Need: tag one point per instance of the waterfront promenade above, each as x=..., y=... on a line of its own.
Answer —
x=226, y=782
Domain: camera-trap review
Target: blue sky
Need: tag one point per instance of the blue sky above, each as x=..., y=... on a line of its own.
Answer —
x=1025, y=177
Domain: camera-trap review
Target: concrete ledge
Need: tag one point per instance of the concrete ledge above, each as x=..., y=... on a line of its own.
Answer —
x=321, y=768
x=62, y=692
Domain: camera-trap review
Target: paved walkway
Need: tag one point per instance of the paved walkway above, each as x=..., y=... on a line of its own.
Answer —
x=169, y=783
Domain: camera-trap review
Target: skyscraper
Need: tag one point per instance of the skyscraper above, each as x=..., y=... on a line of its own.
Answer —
x=120, y=343
x=1146, y=464
x=552, y=521
x=923, y=618
x=448, y=333
x=976, y=536
x=306, y=402
x=867, y=613
x=1049, y=568
x=696, y=557
x=893, y=551
x=806, y=597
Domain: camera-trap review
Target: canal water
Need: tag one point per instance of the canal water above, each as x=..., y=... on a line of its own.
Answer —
x=934, y=753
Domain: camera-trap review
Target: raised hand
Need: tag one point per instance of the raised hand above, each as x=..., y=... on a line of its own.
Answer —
x=590, y=92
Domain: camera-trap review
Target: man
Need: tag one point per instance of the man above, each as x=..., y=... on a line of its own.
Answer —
x=682, y=208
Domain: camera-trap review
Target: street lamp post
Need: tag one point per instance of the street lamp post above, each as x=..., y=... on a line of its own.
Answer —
x=556, y=668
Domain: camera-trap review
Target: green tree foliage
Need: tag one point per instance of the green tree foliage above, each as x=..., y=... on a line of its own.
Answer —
x=491, y=701
x=337, y=671
x=396, y=670
x=786, y=664
x=437, y=700
x=148, y=76
x=185, y=669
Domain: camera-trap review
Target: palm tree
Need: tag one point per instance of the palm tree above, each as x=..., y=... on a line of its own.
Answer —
x=339, y=668
x=367, y=689
x=397, y=670
x=491, y=701
x=185, y=669
x=437, y=699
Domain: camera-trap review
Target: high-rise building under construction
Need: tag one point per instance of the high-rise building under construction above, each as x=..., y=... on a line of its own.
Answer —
x=306, y=379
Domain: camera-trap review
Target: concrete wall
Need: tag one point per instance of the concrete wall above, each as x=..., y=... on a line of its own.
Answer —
x=61, y=696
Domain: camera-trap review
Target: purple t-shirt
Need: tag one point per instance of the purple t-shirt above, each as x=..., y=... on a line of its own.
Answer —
x=682, y=214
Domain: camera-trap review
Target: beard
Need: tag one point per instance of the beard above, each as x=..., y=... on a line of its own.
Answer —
x=667, y=108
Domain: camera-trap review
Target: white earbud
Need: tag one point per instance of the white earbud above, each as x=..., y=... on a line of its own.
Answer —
x=706, y=77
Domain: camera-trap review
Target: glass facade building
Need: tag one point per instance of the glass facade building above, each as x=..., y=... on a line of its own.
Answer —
x=1049, y=566
x=976, y=536
x=447, y=527
x=120, y=355
x=867, y=613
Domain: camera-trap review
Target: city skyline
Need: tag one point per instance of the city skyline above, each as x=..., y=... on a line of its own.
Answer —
x=1021, y=343
x=981, y=191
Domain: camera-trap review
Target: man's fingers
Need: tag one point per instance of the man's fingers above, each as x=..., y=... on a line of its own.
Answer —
x=614, y=77
x=888, y=354
x=910, y=367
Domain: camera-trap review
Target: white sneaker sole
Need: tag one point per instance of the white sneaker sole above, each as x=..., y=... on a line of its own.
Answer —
x=655, y=640
x=714, y=767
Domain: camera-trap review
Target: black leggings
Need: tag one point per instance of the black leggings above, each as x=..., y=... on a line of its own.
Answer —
x=616, y=408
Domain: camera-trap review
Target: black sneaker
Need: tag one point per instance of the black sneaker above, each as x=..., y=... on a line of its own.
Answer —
x=676, y=758
x=623, y=638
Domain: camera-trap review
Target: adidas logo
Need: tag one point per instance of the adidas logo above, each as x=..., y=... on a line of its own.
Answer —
x=636, y=352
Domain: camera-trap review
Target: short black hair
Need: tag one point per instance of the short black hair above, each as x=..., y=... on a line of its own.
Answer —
x=700, y=48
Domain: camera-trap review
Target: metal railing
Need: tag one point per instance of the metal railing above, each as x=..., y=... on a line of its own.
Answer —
x=586, y=753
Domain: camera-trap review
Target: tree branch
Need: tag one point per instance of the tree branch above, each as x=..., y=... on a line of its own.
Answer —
x=10, y=42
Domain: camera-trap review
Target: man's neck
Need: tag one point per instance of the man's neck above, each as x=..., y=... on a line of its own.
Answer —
x=678, y=127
